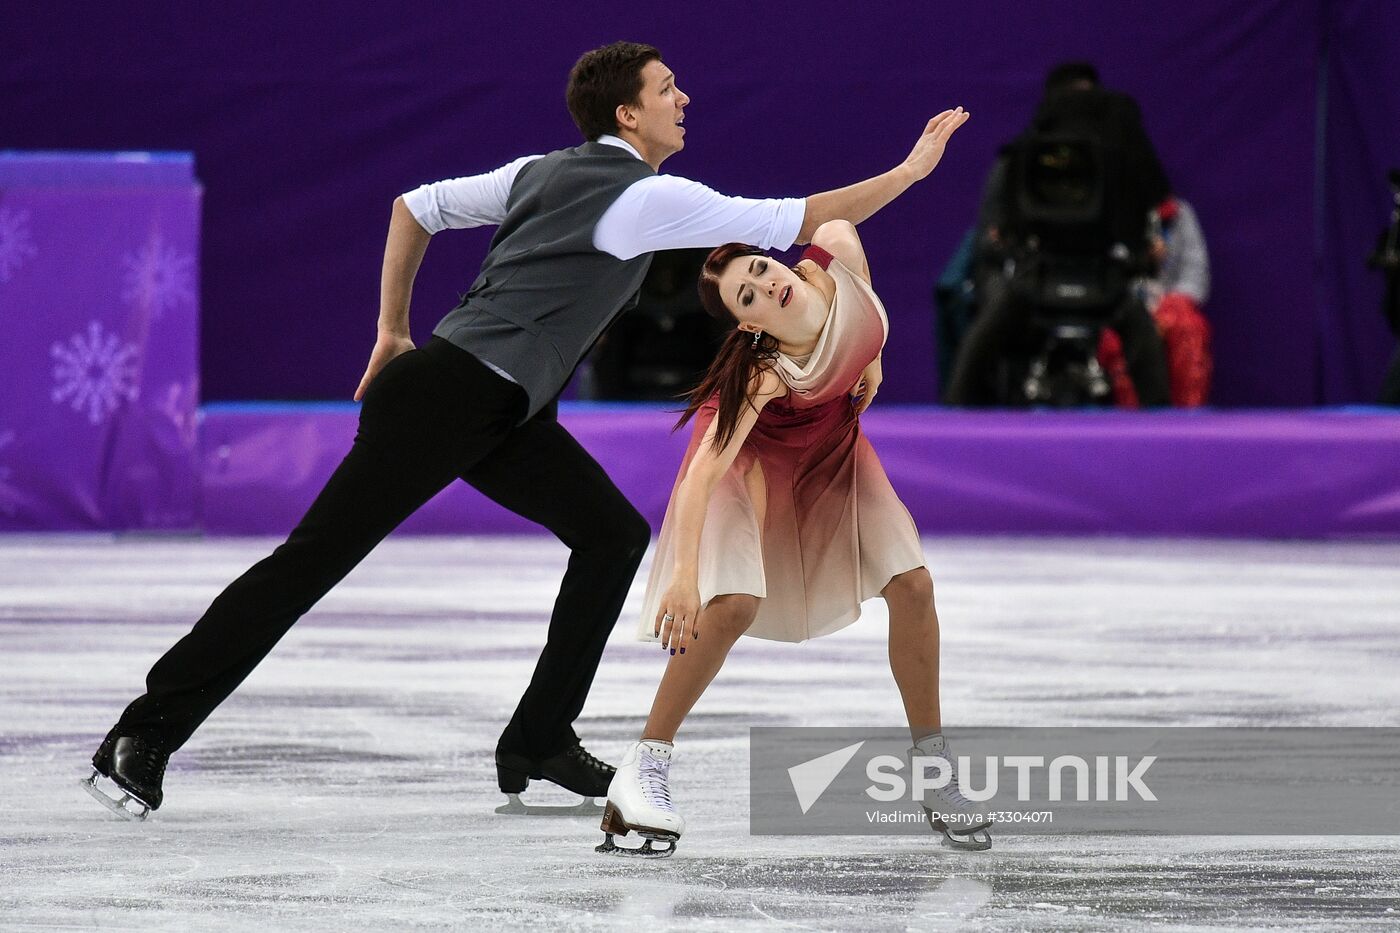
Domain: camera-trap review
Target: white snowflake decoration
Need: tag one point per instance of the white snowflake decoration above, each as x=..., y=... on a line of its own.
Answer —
x=94, y=372
x=16, y=244
x=8, y=496
x=158, y=277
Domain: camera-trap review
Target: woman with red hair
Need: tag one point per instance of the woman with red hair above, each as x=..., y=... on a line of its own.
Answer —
x=782, y=520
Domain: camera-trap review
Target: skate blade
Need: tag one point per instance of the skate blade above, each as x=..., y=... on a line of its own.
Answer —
x=645, y=850
x=514, y=806
x=979, y=840
x=117, y=806
x=975, y=839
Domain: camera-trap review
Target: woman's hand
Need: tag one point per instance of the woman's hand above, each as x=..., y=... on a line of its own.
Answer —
x=386, y=347
x=678, y=614
x=929, y=149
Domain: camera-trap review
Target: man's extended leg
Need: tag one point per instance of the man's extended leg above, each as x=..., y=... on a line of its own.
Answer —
x=423, y=419
x=542, y=473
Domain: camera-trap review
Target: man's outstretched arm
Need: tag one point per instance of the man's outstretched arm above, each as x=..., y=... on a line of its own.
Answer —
x=858, y=202
x=670, y=212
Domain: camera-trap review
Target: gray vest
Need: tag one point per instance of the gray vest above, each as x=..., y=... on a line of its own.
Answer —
x=545, y=294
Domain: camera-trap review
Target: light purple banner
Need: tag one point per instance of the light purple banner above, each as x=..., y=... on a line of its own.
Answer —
x=99, y=307
x=1239, y=474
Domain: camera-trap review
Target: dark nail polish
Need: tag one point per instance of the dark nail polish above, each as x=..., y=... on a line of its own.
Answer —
x=673, y=650
x=682, y=651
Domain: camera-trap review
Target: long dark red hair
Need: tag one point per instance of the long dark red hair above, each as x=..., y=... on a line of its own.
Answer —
x=734, y=374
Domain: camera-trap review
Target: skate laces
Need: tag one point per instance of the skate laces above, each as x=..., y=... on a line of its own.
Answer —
x=583, y=755
x=951, y=792
x=149, y=760
x=655, y=776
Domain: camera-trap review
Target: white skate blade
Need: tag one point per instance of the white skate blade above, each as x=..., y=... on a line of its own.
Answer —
x=116, y=805
x=976, y=841
x=514, y=806
x=645, y=850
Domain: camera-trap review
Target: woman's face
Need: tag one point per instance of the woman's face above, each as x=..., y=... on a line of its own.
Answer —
x=760, y=291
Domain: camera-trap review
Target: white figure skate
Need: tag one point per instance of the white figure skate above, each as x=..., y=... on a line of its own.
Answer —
x=639, y=800
x=967, y=827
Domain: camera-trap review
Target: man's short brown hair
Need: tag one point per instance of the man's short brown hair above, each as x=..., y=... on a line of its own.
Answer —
x=603, y=80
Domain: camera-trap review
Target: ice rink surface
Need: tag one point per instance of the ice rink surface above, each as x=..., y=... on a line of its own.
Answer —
x=349, y=783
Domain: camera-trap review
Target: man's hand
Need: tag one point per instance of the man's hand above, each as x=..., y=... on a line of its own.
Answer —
x=863, y=392
x=929, y=149
x=856, y=203
x=386, y=347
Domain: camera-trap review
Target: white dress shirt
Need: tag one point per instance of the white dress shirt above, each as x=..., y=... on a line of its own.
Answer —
x=657, y=212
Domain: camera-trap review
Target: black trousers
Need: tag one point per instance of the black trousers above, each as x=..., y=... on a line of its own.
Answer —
x=432, y=416
x=1001, y=324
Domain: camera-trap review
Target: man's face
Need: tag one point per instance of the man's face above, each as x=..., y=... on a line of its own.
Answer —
x=658, y=115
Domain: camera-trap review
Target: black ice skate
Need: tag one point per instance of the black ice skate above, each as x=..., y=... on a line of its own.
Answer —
x=136, y=767
x=573, y=769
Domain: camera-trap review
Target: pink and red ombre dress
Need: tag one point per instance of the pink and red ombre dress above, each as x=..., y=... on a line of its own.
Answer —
x=805, y=518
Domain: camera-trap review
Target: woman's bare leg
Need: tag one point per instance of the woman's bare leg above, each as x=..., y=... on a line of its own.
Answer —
x=914, y=648
x=687, y=675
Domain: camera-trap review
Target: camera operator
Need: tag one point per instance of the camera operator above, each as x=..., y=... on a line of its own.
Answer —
x=1074, y=104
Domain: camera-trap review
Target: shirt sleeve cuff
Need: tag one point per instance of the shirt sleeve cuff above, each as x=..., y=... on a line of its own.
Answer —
x=788, y=224
x=419, y=202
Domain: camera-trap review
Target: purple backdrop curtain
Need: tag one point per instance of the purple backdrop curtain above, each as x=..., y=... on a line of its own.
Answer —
x=307, y=121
